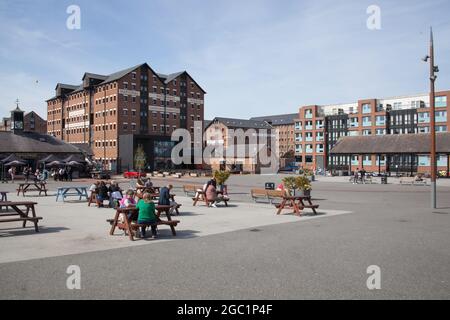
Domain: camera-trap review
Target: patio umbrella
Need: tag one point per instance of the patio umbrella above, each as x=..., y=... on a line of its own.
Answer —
x=74, y=164
x=49, y=158
x=11, y=157
x=15, y=163
x=55, y=164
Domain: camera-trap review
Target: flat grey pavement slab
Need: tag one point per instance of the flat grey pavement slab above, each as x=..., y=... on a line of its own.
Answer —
x=292, y=258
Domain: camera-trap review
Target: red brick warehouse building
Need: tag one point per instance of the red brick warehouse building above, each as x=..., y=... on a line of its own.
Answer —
x=116, y=113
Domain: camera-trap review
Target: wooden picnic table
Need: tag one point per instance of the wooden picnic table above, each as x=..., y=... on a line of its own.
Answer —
x=297, y=203
x=127, y=224
x=151, y=189
x=63, y=192
x=201, y=196
x=38, y=186
x=22, y=213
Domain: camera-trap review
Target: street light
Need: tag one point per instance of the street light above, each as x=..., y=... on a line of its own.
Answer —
x=433, y=78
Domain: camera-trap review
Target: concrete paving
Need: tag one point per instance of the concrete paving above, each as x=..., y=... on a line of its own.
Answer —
x=245, y=251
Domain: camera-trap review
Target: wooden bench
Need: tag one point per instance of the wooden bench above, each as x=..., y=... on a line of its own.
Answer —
x=190, y=189
x=269, y=195
x=23, y=215
x=259, y=194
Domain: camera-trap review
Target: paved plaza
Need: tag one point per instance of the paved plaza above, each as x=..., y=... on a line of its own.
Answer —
x=244, y=251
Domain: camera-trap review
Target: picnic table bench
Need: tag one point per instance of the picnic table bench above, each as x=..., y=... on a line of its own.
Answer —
x=38, y=186
x=201, y=196
x=129, y=226
x=297, y=203
x=23, y=214
x=191, y=189
x=63, y=192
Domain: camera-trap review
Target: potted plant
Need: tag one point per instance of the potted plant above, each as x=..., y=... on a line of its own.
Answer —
x=304, y=185
x=221, y=177
x=290, y=185
x=309, y=174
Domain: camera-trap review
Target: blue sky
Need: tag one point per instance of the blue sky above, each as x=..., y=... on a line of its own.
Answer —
x=252, y=57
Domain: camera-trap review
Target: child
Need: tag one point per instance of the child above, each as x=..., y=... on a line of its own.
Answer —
x=147, y=215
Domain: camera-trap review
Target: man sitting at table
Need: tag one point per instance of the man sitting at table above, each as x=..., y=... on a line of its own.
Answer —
x=164, y=198
x=147, y=214
x=102, y=194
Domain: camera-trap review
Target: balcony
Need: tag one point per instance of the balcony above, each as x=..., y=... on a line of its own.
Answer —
x=380, y=122
x=308, y=115
x=298, y=139
x=309, y=127
x=309, y=150
x=309, y=139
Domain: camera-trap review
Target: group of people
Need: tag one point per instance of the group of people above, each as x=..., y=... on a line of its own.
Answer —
x=359, y=176
x=111, y=192
x=62, y=174
x=146, y=206
x=36, y=176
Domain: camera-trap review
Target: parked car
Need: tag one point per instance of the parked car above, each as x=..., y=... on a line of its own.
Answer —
x=289, y=168
x=134, y=174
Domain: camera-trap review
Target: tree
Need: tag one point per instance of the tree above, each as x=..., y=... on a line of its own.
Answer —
x=140, y=158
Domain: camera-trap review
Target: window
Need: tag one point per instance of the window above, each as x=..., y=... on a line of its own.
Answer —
x=366, y=108
x=125, y=85
x=367, y=121
x=440, y=101
x=308, y=113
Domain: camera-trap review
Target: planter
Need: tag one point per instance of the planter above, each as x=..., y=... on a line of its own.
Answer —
x=304, y=193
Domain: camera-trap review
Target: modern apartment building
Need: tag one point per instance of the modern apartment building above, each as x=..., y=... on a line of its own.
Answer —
x=238, y=139
x=318, y=128
x=116, y=113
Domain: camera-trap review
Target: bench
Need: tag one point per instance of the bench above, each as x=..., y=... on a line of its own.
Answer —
x=201, y=196
x=269, y=195
x=190, y=189
x=132, y=226
x=128, y=225
x=259, y=194
x=297, y=204
x=23, y=215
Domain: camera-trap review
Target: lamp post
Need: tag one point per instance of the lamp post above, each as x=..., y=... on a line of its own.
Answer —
x=433, y=70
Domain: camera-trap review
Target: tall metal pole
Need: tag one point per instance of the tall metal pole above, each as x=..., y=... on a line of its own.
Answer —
x=432, y=124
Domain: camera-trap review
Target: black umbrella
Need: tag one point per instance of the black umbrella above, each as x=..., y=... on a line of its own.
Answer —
x=55, y=164
x=74, y=164
x=10, y=158
x=15, y=163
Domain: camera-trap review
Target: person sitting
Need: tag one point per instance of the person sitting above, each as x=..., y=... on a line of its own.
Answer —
x=102, y=194
x=281, y=187
x=115, y=194
x=418, y=178
x=126, y=202
x=164, y=198
x=147, y=214
x=148, y=183
x=140, y=184
x=211, y=195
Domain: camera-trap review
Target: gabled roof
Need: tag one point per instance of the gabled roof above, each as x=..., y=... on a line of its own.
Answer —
x=66, y=86
x=117, y=75
x=33, y=142
x=94, y=76
x=241, y=123
x=392, y=144
x=278, y=120
x=170, y=77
